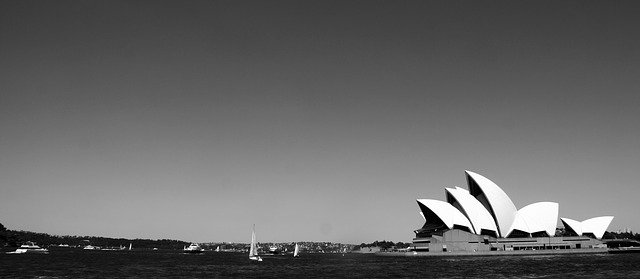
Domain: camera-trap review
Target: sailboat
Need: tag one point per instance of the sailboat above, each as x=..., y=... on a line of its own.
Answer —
x=253, y=250
x=130, y=245
x=218, y=249
x=296, y=251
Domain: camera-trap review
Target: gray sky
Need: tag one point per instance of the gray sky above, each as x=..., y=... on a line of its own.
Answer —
x=315, y=120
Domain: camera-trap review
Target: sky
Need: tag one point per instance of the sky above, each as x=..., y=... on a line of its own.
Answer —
x=313, y=120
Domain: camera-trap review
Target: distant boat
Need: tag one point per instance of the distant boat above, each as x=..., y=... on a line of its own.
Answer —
x=218, y=249
x=30, y=248
x=274, y=250
x=91, y=247
x=130, y=245
x=112, y=248
x=253, y=250
x=194, y=248
x=296, y=251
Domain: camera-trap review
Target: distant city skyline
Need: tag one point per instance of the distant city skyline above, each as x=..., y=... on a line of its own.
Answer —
x=313, y=120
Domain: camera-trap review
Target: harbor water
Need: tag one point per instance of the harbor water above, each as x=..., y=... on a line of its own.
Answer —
x=78, y=263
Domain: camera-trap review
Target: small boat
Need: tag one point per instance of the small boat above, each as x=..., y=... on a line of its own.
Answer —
x=194, y=248
x=273, y=250
x=30, y=248
x=218, y=249
x=253, y=249
x=91, y=247
x=111, y=249
x=130, y=246
x=296, y=250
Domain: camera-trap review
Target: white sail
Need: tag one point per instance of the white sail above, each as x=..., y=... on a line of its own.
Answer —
x=218, y=249
x=296, y=250
x=253, y=250
x=130, y=244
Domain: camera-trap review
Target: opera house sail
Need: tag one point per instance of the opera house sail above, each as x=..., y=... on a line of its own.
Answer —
x=484, y=219
x=494, y=199
x=594, y=226
x=478, y=215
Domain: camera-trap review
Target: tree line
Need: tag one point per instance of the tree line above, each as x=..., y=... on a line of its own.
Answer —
x=13, y=238
x=621, y=235
x=384, y=245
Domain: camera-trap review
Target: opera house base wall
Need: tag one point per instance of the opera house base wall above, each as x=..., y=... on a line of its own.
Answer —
x=495, y=253
x=464, y=243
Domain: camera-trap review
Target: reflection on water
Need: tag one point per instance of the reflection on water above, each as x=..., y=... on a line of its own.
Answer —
x=77, y=263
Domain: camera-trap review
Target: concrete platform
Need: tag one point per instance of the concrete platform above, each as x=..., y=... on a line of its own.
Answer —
x=495, y=253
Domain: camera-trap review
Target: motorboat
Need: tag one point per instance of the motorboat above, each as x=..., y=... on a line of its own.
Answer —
x=91, y=247
x=30, y=248
x=273, y=250
x=194, y=248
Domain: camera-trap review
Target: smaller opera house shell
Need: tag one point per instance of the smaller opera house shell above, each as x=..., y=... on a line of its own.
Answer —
x=483, y=218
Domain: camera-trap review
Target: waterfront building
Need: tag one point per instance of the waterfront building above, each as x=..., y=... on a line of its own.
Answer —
x=484, y=219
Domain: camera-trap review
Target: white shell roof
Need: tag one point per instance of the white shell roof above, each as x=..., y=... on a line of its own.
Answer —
x=488, y=207
x=447, y=213
x=477, y=214
x=597, y=225
x=537, y=217
x=502, y=208
x=576, y=226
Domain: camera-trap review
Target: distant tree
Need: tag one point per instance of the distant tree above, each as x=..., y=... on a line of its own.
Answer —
x=3, y=235
x=621, y=235
x=15, y=238
x=384, y=245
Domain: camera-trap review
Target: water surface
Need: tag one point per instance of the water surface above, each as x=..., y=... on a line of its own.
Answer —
x=78, y=263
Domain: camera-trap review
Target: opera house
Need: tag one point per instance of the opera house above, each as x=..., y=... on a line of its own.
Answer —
x=483, y=219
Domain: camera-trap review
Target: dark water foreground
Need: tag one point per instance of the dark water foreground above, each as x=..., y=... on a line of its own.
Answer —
x=77, y=263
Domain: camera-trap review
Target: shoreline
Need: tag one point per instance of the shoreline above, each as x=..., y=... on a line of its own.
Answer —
x=494, y=253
